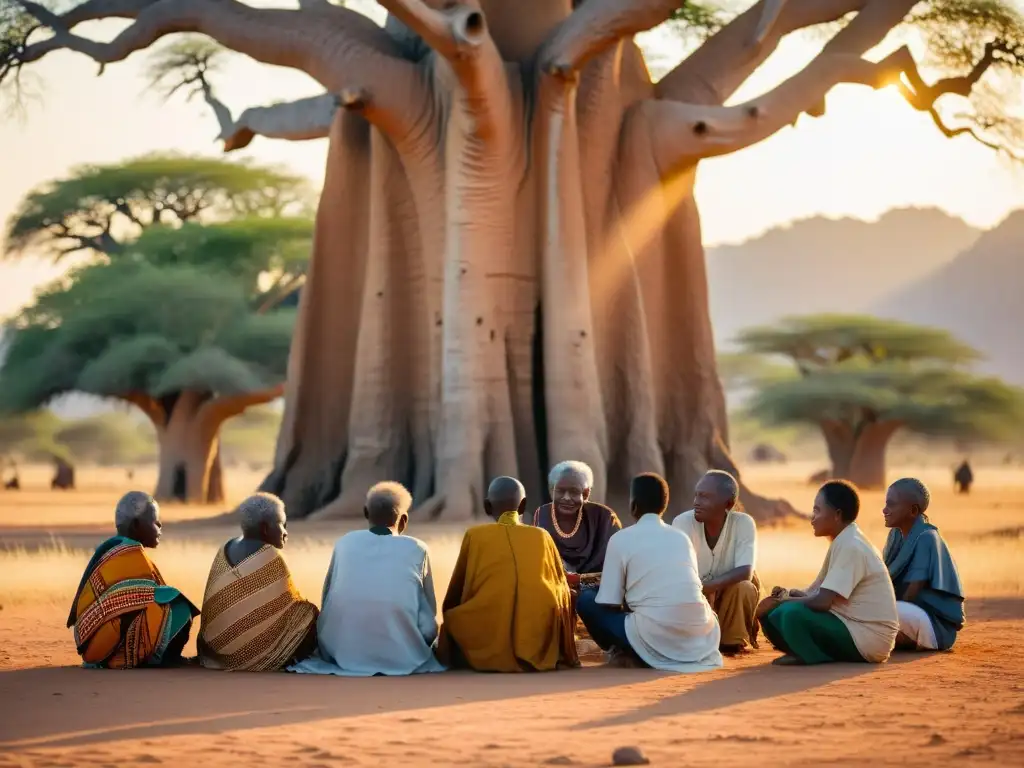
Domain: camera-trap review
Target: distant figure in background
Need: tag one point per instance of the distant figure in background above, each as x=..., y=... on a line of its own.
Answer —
x=254, y=619
x=929, y=594
x=725, y=541
x=124, y=615
x=379, y=609
x=579, y=527
x=963, y=478
x=63, y=475
x=508, y=606
x=130, y=474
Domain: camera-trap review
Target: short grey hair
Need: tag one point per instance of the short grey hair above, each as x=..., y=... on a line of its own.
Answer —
x=726, y=483
x=916, y=490
x=577, y=469
x=258, y=509
x=132, y=506
x=388, y=497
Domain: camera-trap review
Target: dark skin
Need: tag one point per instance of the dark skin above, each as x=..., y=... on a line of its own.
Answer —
x=390, y=519
x=568, y=498
x=145, y=529
x=274, y=533
x=711, y=507
x=827, y=522
x=505, y=494
x=901, y=511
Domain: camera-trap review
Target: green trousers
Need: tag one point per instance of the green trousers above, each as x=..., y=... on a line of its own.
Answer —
x=814, y=637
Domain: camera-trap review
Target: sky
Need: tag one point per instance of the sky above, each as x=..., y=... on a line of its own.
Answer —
x=871, y=152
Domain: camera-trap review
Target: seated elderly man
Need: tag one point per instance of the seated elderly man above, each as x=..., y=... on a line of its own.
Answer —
x=725, y=541
x=508, y=605
x=254, y=619
x=580, y=527
x=379, y=610
x=124, y=615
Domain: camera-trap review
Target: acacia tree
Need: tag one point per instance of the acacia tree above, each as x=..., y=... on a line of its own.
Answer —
x=184, y=345
x=861, y=380
x=100, y=209
x=488, y=293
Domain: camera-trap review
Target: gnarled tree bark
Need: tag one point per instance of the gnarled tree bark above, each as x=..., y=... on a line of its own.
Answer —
x=507, y=269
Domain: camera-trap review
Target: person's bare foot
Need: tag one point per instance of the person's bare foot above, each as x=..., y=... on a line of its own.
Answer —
x=787, y=661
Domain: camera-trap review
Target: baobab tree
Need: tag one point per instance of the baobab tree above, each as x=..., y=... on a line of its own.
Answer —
x=862, y=380
x=488, y=292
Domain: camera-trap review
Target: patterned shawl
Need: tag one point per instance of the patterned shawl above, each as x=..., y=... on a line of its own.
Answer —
x=254, y=619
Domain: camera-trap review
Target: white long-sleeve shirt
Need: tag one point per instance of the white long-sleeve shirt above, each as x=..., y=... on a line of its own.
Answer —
x=379, y=612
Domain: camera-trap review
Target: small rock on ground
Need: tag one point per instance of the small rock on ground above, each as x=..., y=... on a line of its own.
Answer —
x=629, y=756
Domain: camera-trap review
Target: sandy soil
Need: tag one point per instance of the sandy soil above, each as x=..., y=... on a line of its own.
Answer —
x=960, y=707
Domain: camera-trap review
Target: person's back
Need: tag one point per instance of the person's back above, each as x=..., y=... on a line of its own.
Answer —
x=379, y=610
x=650, y=603
x=508, y=606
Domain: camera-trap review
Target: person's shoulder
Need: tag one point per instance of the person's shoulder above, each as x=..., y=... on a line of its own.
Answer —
x=411, y=542
x=685, y=521
x=744, y=521
x=597, y=509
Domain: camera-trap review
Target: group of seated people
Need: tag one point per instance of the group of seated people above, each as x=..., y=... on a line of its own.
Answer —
x=670, y=597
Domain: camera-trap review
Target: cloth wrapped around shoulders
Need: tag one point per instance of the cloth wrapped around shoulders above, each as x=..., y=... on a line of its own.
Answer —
x=924, y=557
x=124, y=614
x=254, y=618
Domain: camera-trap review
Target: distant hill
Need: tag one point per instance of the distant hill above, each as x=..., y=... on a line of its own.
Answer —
x=828, y=265
x=977, y=296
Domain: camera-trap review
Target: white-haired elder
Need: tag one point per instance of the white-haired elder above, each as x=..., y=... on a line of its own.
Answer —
x=379, y=613
x=580, y=527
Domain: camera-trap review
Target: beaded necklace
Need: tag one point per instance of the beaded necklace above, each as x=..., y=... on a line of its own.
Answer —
x=558, y=528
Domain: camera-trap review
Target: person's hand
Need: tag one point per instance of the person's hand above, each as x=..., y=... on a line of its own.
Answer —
x=779, y=592
x=709, y=593
x=766, y=606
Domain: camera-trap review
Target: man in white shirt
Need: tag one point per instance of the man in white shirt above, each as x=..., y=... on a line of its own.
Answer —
x=651, y=605
x=725, y=541
x=379, y=614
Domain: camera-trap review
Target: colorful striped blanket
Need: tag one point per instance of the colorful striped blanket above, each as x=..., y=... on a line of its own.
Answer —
x=124, y=615
x=254, y=619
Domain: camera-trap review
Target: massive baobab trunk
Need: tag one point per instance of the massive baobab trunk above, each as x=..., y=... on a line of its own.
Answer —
x=507, y=269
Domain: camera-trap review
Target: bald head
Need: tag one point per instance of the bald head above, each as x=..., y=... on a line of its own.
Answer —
x=913, y=491
x=505, y=494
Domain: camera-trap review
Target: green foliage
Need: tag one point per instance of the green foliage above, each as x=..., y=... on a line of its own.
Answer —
x=816, y=341
x=926, y=400
x=269, y=255
x=740, y=370
x=699, y=20
x=100, y=208
x=857, y=369
x=122, y=328
x=108, y=440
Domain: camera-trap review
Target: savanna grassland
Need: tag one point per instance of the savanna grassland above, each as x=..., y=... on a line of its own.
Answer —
x=967, y=705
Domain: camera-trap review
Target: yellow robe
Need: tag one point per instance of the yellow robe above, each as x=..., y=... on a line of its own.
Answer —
x=508, y=604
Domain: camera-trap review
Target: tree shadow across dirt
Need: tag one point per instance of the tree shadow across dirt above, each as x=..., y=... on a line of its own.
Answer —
x=751, y=683
x=71, y=706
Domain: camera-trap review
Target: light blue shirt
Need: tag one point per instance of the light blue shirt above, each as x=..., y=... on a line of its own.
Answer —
x=379, y=614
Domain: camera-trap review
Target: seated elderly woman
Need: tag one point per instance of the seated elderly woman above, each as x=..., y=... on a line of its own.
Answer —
x=580, y=527
x=254, y=619
x=849, y=612
x=124, y=615
x=929, y=595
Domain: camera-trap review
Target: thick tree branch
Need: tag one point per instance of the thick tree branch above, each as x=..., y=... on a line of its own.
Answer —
x=227, y=406
x=330, y=43
x=148, y=405
x=596, y=26
x=459, y=34
x=713, y=73
x=687, y=133
x=299, y=120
